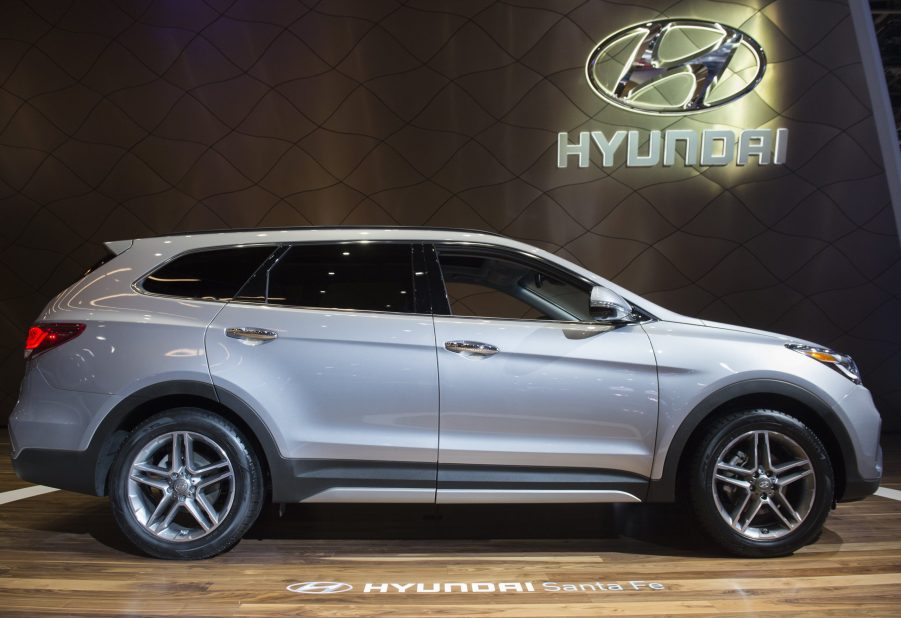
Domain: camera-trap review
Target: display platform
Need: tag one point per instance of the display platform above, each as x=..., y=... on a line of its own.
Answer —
x=61, y=554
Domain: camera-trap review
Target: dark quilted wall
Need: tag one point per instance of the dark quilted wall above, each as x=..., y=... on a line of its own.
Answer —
x=136, y=118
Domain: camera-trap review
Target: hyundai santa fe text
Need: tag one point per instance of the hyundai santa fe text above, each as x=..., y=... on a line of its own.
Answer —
x=191, y=378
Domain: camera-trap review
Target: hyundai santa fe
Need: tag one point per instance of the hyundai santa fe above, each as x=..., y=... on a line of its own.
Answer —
x=192, y=378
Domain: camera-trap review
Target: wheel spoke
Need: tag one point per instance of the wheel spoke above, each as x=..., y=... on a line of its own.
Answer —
x=199, y=517
x=736, y=514
x=724, y=467
x=775, y=509
x=755, y=508
x=210, y=468
x=160, y=507
x=176, y=506
x=188, y=450
x=755, y=464
x=155, y=483
x=175, y=462
x=207, y=508
x=797, y=476
x=791, y=465
x=766, y=454
x=784, y=503
x=213, y=479
x=150, y=469
x=736, y=482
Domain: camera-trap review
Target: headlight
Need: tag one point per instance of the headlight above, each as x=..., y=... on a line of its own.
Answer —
x=842, y=363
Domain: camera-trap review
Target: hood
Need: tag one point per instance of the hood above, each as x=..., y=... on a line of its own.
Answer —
x=761, y=333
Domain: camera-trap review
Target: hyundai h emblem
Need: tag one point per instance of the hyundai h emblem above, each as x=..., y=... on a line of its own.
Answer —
x=675, y=66
x=320, y=587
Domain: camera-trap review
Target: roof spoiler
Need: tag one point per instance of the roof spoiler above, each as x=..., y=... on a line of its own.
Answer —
x=118, y=247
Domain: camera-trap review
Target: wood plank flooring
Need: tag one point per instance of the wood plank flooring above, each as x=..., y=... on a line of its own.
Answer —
x=61, y=555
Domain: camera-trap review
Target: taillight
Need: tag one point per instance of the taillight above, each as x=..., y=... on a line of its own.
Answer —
x=42, y=337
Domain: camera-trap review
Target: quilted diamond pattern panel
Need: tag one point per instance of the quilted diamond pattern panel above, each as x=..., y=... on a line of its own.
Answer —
x=142, y=117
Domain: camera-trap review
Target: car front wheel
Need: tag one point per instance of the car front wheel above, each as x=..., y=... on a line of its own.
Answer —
x=761, y=483
x=185, y=485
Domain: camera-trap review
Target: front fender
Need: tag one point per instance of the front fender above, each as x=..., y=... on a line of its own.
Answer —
x=663, y=487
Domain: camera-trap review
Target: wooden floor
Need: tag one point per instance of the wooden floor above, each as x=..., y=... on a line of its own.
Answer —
x=61, y=554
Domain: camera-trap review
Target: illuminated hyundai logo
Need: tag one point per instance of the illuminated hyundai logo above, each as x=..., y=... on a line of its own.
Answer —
x=320, y=587
x=675, y=66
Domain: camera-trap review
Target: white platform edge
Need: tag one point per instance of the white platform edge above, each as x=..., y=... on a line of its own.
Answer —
x=26, y=492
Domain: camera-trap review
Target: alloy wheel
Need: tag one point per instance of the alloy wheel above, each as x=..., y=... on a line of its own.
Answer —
x=181, y=486
x=763, y=485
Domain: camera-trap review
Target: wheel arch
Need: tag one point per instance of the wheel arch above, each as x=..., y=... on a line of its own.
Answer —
x=146, y=402
x=770, y=394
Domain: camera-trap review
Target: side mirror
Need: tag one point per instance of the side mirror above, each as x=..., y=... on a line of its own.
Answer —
x=607, y=306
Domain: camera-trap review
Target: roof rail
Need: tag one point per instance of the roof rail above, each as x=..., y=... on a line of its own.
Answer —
x=323, y=227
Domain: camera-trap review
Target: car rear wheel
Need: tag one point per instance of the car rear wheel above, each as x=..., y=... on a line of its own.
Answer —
x=185, y=485
x=762, y=483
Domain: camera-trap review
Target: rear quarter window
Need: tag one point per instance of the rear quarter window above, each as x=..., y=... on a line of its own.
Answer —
x=214, y=274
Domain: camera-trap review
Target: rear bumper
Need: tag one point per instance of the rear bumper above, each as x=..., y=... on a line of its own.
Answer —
x=50, y=418
x=51, y=433
x=71, y=470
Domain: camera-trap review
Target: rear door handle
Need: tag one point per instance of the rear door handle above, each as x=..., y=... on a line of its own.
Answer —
x=471, y=348
x=250, y=335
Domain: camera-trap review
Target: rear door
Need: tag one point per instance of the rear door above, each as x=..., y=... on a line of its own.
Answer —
x=538, y=402
x=333, y=346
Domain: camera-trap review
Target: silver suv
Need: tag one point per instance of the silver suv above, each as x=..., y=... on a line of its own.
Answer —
x=194, y=377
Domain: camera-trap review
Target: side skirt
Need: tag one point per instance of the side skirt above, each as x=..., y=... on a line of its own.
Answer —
x=532, y=496
x=322, y=481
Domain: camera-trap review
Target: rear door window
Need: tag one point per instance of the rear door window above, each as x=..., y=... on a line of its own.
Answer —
x=360, y=276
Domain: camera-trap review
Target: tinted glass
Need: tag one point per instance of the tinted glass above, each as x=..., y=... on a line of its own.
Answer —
x=217, y=274
x=366, y=277
x=495, y=287
x=478, y=300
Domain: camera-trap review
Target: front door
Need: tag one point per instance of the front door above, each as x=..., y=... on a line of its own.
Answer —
x=538, y=402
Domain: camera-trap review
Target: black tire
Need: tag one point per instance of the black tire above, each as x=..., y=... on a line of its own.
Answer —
x=781, y=498
x=217, y=450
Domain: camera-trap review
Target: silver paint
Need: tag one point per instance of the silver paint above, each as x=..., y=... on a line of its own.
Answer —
x=335, y=384
x=556, y=394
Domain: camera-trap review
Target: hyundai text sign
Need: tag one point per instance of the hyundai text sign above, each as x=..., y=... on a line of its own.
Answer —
x=670, y=68
x=710, y=147
x=675, y=66
x=477, y=587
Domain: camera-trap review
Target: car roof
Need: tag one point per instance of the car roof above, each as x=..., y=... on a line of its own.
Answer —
x=345, y=233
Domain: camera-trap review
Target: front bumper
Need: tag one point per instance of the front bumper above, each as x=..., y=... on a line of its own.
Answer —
x=863, y=454
x=857, y=487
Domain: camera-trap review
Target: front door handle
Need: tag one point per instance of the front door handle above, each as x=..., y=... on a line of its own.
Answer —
x=471, y=348
x=250, y=335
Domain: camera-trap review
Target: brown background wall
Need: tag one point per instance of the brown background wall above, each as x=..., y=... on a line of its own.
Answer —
x=135, y=118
